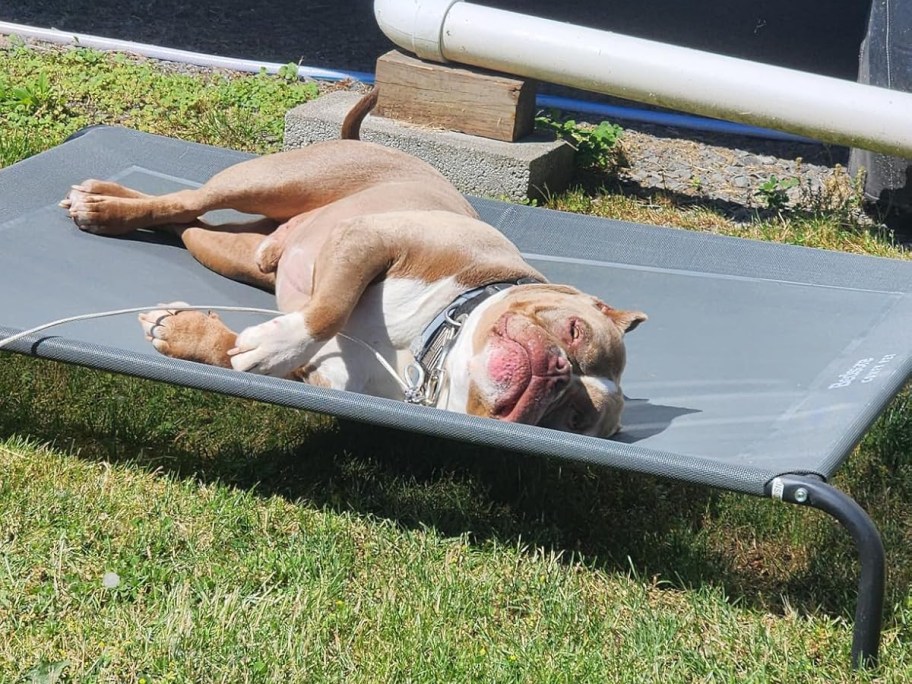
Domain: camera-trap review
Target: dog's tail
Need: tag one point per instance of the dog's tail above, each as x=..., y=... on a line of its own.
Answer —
x=351, y=126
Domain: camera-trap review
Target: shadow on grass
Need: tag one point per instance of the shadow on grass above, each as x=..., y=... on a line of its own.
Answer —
x=682, y=536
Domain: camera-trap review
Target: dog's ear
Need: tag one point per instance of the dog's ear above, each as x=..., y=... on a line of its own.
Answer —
x=625, y=320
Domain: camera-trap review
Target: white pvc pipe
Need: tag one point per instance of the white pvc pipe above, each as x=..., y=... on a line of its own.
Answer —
x=168, y=54
x=820, y=107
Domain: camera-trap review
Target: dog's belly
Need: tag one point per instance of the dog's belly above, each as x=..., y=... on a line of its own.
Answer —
x=294, y=277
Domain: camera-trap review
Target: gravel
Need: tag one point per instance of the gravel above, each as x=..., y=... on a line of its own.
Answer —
x=726, y=171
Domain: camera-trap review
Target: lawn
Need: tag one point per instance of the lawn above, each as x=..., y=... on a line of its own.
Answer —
x=157, y=534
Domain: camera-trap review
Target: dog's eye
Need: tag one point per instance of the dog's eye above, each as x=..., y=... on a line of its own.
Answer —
x=575, y=329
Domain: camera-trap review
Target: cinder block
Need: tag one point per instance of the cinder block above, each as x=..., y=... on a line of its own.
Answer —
x=528, y=168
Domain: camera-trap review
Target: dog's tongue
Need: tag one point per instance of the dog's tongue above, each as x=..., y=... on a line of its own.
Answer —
x=528, y=375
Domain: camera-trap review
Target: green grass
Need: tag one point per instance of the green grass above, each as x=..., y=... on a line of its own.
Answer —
x=253, y=543
x=46, y=95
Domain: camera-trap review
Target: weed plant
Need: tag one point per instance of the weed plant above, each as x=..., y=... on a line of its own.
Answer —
x=596, y=146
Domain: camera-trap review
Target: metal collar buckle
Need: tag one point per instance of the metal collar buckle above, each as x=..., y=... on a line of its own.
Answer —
x=425, y=378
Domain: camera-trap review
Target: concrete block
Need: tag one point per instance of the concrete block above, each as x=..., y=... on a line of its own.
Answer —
x=528, y=168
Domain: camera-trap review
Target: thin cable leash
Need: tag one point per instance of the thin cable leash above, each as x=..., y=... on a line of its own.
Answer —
x=238, y=309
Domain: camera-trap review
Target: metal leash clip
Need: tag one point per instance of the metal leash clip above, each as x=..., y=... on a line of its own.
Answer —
x=435, y=383
x=414, y=383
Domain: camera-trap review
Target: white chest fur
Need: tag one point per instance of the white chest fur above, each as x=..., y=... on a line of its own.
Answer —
x=395, y=311
x=388, y=317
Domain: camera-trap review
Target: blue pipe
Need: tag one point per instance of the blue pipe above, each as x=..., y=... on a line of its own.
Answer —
x=664, y=118
x=648, y=116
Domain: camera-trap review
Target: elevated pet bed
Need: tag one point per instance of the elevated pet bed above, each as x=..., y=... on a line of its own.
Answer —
x=760, y=368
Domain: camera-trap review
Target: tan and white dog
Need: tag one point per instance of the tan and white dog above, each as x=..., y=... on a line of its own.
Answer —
x=362, y=241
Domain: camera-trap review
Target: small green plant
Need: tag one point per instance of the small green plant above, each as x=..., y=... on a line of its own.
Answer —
x=288, y=72
x=774, y=192
x=596, y=146
x=47, y=673
x=84, y=55
x=29, y=97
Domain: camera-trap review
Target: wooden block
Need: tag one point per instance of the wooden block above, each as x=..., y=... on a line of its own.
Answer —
x=454, y=98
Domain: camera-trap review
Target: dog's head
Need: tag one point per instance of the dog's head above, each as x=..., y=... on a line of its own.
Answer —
x=542, y=354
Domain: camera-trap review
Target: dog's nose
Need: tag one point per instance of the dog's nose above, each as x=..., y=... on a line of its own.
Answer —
x=560, y=364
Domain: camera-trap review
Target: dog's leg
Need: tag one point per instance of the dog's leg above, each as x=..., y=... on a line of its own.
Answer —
x=204, y=338
x=353, y=257
x=278, y=186
x=99, y=187
x=84, y=201
x=231, y=251
x=108, y=208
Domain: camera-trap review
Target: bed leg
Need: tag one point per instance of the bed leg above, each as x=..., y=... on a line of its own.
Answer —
x=812, y=491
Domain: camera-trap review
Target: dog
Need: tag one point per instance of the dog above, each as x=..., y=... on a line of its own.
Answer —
x=366, y=246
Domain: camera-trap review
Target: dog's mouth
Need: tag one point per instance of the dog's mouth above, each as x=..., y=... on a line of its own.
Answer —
x=527, y=367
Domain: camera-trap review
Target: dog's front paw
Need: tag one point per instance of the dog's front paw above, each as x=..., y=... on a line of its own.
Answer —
x=276, y=347
x=189, y=335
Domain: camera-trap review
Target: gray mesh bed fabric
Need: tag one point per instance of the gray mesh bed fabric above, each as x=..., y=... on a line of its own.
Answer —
x=758, y=359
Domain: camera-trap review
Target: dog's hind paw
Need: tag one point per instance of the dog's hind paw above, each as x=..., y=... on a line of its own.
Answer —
x=101, y=207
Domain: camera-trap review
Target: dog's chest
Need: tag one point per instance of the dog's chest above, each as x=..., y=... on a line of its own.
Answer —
x=395, y=311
